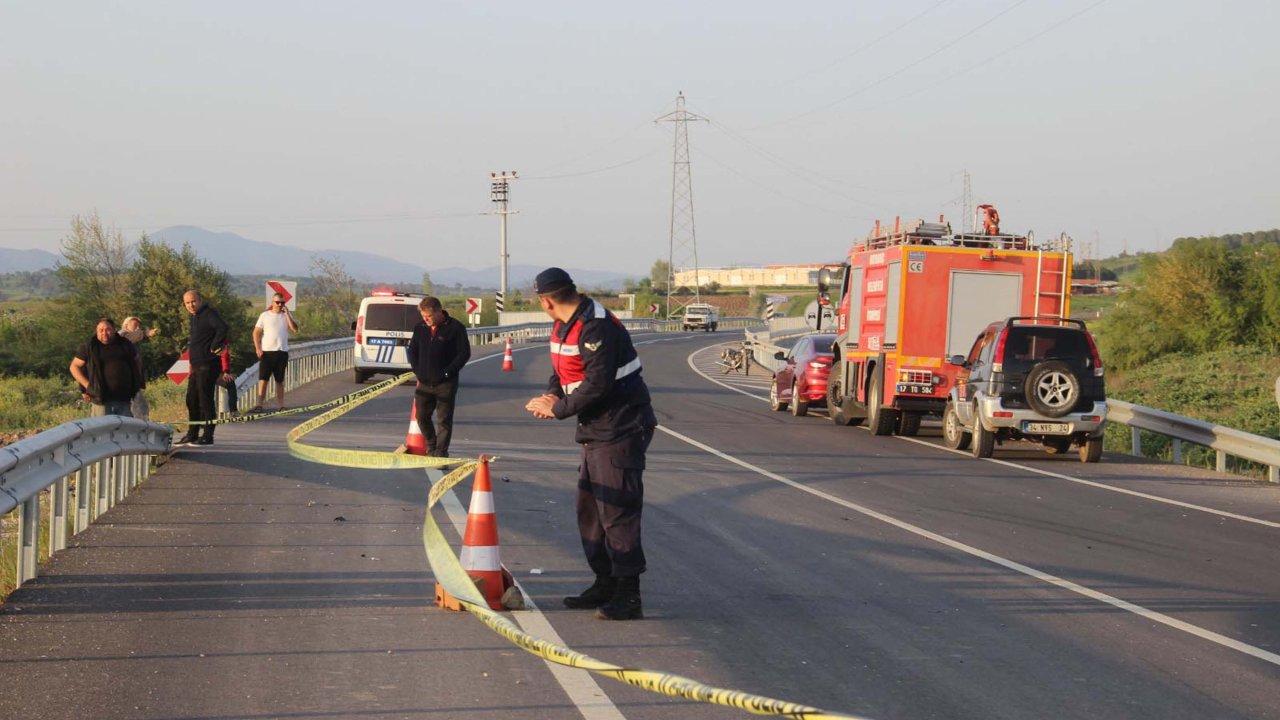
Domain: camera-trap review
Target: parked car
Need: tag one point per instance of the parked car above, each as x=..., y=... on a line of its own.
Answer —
x=802, y=381
x=382, y=330
x=1038, y=379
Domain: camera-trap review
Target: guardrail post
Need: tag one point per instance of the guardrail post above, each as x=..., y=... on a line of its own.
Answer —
x=1273, y=473
x=102, y=495
x=1135, y=441
x=58, y=516
x=1177, y=451
x=82, y=500
x=1221, y=464
x=28, y=539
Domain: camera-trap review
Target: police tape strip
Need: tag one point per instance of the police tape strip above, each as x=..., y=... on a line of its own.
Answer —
x=252, y=416
x=449, y=573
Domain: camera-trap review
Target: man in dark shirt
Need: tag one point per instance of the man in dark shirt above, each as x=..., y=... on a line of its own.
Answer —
x=207, y=333
x=438, y=351
x=108, y=370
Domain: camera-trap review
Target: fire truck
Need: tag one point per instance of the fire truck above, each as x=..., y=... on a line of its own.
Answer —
x=912, y=295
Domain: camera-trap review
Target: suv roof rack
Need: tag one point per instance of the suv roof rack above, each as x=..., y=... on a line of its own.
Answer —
x=1044, y=320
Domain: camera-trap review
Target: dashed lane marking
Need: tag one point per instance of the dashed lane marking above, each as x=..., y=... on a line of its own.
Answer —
x=1068, y=585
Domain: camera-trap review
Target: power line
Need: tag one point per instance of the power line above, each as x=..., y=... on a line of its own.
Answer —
x=277, y=223
x=863, y=48
x=606, y=168
x=775, y=191
x=885, y=78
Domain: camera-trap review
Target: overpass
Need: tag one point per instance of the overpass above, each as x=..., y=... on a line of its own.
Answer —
x=878, y=576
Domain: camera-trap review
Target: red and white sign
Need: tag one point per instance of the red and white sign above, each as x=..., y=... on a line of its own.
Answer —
x=181, y=369
x=287, y=288
x=653, y=308
x=473, y=306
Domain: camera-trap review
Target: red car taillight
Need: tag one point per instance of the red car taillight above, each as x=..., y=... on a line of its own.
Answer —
x=360, y=330
x=997, y=360
x=1093, y=350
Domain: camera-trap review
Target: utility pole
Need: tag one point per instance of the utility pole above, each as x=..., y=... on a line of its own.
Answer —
x=966, y=199
x=682, y=245
x=498, y=191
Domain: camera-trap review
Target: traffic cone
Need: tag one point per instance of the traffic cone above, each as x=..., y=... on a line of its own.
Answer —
x=479, y=554
x=414, y=442
x=508, y=362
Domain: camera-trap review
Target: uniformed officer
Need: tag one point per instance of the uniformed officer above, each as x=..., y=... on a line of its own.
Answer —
x=596, y=376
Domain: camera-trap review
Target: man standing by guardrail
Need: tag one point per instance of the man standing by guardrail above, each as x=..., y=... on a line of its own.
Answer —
x=206, y=336
x=596, y=376
x=271, y=341
x=437, y=352
x=108, y=370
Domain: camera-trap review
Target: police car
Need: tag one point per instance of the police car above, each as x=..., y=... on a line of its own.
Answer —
x=382, y=332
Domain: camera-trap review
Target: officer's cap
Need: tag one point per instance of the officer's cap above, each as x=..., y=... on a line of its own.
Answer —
x=551, y=280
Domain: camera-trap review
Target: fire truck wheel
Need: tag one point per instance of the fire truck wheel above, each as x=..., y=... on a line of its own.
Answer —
x=1052, y=388
x=954, y=434
x=880, y=419
x=799, y=407
x=909, y=424
x=775, y=404
x=837, y=408
x=984, y=441
x=1091, y=450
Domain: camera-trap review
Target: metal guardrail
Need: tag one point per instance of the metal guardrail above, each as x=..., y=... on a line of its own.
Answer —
x=90, y=465
x=1225, y=441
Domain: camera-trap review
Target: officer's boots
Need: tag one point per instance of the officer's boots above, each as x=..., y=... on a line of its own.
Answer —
x=625, y=603
x=593, y=597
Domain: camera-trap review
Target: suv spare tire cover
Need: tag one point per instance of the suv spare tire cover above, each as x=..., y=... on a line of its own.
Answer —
x=1052, y=388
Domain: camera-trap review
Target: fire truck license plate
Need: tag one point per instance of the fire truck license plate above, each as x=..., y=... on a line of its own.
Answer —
x=1048, y=428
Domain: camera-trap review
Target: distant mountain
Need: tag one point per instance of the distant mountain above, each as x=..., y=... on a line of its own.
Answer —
x=26, y=260
x=521, y=276
x=239, y=255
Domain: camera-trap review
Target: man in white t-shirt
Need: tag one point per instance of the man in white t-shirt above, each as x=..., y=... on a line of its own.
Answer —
x=271, y=341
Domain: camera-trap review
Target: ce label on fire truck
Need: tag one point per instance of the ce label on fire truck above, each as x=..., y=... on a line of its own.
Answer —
x=915, y=262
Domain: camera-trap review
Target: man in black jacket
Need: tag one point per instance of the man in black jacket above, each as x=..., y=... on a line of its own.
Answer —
x=596, y=377
x=437, y=353
x=108, y=370
x=206, y=335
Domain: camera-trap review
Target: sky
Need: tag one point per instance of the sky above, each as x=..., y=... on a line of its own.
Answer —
x=374, y=126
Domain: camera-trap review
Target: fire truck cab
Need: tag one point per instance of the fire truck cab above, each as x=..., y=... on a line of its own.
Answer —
x=914, y=294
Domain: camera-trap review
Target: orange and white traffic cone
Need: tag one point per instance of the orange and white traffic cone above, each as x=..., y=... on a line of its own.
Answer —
x=508, y=362
x=479, y=556
x=414, y=442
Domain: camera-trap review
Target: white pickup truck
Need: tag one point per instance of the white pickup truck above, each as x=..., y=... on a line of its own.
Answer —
x=701, y=316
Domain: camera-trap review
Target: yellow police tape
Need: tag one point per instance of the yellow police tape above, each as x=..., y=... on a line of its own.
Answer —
x=449, y=573
x=377, y=389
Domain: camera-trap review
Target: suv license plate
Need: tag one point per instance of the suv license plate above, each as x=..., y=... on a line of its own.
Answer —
x=1048, y=428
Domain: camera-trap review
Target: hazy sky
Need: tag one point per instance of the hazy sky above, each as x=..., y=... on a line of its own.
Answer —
x=374, y=125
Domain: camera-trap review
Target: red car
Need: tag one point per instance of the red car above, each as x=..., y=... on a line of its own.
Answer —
x=803, y=380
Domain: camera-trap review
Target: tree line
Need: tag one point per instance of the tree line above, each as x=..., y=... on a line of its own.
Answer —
x=1203, y=294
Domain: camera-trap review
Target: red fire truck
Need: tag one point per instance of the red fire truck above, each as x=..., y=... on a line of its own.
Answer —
x=914, y=294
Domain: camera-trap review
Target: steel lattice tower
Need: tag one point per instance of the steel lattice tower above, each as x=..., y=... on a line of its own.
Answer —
x=683, y=246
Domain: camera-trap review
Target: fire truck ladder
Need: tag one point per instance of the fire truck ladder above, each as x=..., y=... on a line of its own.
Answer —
x=1060, y=293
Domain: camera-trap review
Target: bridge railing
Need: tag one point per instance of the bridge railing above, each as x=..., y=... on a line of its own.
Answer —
x=1224, y=441
x=88, y=465
x=307, y=361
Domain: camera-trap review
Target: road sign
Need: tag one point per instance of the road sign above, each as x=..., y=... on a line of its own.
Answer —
x=474, y=305
x=653, y=308
x=498, y=301
x=287, y=288
x=181, y=369
x=811, y=316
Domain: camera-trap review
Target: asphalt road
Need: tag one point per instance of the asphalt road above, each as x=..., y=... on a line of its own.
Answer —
x=878, y=576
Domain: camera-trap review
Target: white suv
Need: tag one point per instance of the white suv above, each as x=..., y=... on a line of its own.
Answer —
x=383, y=329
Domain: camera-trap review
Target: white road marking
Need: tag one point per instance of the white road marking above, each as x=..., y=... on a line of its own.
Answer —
x=583, y=690
x=1152, y=615
x=1028, y=468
